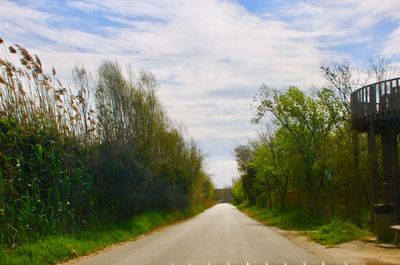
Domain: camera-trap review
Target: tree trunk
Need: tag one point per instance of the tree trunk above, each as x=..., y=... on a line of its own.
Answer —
x=356, y=175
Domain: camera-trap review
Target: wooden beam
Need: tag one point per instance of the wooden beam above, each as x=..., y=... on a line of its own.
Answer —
x=387, y=194
x=395, y=173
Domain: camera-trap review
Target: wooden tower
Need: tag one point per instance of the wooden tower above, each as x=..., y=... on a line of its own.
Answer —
x=375, y=109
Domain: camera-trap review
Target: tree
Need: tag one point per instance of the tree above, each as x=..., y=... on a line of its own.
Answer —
x=305, y=122
x=244, y=156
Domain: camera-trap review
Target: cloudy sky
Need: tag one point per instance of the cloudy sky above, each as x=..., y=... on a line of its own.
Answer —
x=209, y=56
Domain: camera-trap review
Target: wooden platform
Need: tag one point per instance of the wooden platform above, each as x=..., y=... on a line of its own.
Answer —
x=378, y=104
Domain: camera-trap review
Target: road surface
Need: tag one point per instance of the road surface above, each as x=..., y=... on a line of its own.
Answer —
x=220, y=235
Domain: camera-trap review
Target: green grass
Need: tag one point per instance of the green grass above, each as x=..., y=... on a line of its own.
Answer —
x=287, y=219
x=58, y=248
x=337, y=232
x=320, y=230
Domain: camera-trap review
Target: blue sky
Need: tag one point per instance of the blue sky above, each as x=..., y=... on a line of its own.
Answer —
x=209, y=56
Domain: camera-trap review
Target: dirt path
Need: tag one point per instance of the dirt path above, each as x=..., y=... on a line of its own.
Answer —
x=353, y=252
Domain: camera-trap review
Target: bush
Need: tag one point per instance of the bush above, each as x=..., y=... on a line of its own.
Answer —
x=337, y=232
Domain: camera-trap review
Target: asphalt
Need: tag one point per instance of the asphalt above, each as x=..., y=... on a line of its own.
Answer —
x=220, y=235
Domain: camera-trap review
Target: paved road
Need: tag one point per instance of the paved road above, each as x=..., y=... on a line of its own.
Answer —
x=220, y=235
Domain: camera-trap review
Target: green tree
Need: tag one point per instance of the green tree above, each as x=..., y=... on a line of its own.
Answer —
x=306, y=123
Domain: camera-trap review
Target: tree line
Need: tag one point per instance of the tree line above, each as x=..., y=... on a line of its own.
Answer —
x=101, y=151
x=304, y=156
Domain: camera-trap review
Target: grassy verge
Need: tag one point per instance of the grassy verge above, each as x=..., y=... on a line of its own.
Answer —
x=58, y=248
x=326, y=233
x=337, y=232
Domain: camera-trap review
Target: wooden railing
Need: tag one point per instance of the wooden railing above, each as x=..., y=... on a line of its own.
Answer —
x=375, y=102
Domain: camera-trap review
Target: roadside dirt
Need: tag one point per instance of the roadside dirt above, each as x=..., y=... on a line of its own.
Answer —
x=353, y=252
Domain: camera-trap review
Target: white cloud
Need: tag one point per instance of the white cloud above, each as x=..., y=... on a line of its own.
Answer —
x=392, y=46
x=210, y=56
x=223, y=170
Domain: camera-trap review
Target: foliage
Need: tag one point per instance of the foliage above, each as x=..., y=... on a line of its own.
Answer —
x=101, y=151
x=311, y=161
x=293, y=158
x=237, y=192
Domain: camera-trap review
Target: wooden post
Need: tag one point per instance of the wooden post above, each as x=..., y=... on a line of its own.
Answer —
x=372, y=111
x=373, y=168
x=394, y=170
x=387, y=198
x=390, y=165
x=397, y=188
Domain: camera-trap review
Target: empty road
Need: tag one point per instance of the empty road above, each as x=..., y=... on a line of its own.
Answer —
x=220, y=235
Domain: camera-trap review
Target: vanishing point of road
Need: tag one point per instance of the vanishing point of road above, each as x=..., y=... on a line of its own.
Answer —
x=221, y=235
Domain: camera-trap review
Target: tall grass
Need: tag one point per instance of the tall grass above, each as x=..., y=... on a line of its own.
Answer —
x=45, y=185
x=29, y=96
x=97, y=152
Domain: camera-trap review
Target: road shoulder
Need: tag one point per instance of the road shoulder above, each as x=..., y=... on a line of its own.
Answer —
x=356, y=251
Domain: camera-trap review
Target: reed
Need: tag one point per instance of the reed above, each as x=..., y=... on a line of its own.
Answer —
x=71, y=158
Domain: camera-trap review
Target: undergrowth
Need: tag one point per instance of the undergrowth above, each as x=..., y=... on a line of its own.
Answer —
x=286, y=219
x=337, y=232
x=326, y=232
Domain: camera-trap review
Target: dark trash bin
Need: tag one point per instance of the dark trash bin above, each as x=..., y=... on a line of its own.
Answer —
x=384, y=218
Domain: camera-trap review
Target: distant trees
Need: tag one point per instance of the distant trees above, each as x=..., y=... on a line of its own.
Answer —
x=102, y=151
x=223, y=195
